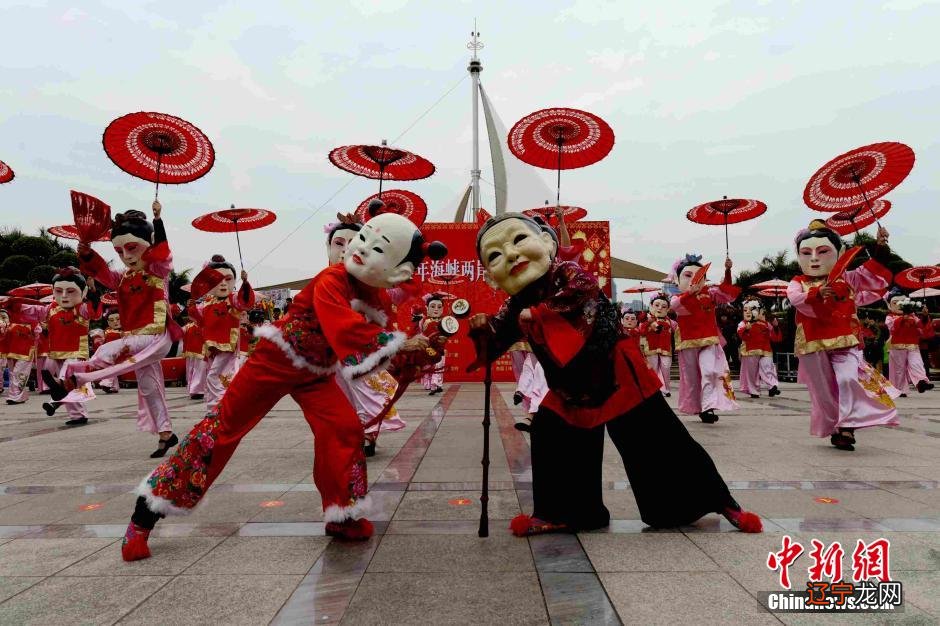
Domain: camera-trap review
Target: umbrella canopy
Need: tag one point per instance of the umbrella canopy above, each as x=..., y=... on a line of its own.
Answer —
x=33, y=290
x=916, y=277
x=770, y=284
x=569, y=213
x=773, y=292
x=234, y=221
x=400, y=201
x=68, y=231
x=6, y=173
x=641, y=288
x=726, y=211
x=854, y=220
x=859, y=176
x=926, y=292
x=109, y=299
x=159, y=148
x=381, y=162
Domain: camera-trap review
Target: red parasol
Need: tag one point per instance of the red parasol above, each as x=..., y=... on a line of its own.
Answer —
x=235, y=220
x=400, y=201
x=159, y=148
x=770, y=284
x=773, y=292
x=92, y=216
x=6, y=173
x=858, y=177
x=109, y=299
x=641, y=289
x=726, y=211
x=68, y=231
x=381, y=162
x=205, y=281
x=34, y=290
x=568, y=213
x=560, y=139
x=856, y=219
x=918, y=277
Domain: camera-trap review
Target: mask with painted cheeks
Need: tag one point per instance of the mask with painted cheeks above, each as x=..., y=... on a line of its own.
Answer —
x=515, y=253
x=131, y=250
x=114, y=321
x=225, y=288
x=894, y=304
x=749, y=311
x=659, y=308
x=131, y=236
x=69, y=290
x=378, y=254
x=817, y=249
x=338, y=239
x=435, y=309
x=629, y=320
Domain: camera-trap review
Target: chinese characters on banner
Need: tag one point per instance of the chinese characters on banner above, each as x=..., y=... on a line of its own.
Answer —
x=460, y=275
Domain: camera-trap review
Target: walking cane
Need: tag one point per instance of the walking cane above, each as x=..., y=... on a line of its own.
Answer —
x=485, y=495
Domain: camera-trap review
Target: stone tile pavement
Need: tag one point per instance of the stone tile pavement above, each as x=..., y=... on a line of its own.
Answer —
x=255, y=552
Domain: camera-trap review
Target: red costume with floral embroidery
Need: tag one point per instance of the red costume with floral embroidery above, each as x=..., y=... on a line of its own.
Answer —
x=220, y=320
x=112, y=335
x=21, y=339
x=656, y=336
x=756, y=338
x=907, y=331
x=192, y=341
x=335, y=325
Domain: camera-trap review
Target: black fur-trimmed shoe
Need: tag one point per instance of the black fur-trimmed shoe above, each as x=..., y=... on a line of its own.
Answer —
x=708, y=416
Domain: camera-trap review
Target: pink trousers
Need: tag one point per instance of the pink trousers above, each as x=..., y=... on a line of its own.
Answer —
x=140, y=354
x=19, y=379
x=905, y=367
x=704, y=381
x=368, y=395
x=530, y=379
x=846, y=392
x=196, y=370
x=433, y=377
x=755, y=369
x=221, y=368
x=662, y=365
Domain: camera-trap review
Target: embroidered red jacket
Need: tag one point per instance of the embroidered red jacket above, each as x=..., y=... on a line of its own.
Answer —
x=336, y=323
x=66, y=329
x=756, y=338
x=696, y=314
x=112, y=335
x=907, y=331
x=656, y=336
x=20, y=340
x=192, y=341
x=220, y=320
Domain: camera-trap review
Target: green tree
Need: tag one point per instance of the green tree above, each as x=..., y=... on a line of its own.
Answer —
x=176, y=282
x=64, y=258
x=37, y=248
x=41, y=274
x=16, y=267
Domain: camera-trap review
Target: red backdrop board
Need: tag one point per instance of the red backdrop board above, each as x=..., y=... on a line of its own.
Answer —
x=461, y=275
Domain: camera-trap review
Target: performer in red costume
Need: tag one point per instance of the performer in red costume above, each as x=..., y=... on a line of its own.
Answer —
x=149, y=331
x=195, y=361
x=112, y=333
x=757, y=363
x=905, y=364
x=597, y=379
x=656, y=341
x=631, y=326
x=845, y=391
x=337, y=325
x=20, y=339
x=433, y=377
x=219, y=318
x=704, y=376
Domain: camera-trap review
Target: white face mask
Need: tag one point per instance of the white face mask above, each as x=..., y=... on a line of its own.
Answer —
x=67, y=294
x=817, y=256
x=131, y=250
x=374, y=256
x=435, y=309
x=114, y=322
x=659, y=308
x=894, y=305
x=685, y=277
x=628, y=321
x=750, y=311
x=337, y=245
x=227, y=286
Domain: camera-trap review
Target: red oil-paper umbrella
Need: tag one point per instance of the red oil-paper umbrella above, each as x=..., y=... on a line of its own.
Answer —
x=234, y=221
x=770, y=284
x=548, y=213
x=6, y=173
x=773, y=292
x=560, y=139
x=109, y=299
x=381, y=162
x=68, y=231
x=159, y=148
x=642, y=289
x=859, y=177
x=33, y=290
x=919, y=277
x=854, y=220
x=400, y=201
x=726, y=211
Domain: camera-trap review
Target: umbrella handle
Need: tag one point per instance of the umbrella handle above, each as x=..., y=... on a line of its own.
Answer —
x=727, y=252
x=241, y=261
x=156, y=195
x=485, y=493
x=561, y=142
x=858, y=181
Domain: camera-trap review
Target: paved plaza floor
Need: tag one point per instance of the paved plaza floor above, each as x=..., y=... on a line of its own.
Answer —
x=255, y=551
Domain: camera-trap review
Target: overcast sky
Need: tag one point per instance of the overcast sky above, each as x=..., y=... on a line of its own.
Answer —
x=745, y=99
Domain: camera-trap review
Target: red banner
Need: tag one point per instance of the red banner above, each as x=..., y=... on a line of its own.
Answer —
x=460, y=275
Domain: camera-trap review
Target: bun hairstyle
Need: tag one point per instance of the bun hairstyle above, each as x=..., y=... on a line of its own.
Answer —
x=132, y=223
x=533, y=225
x=687, y=260
x=218, y=262
x=420, y=248
x=663, y=297
x=818, y=228
x=71, y=275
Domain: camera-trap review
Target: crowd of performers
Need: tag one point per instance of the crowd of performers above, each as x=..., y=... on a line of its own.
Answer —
x=339, y=354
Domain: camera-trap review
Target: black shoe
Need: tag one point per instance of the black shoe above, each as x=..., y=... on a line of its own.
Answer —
x=78, y=421
x=755, y=395
x=368, y=448
x=525, y=425
x=903, y=395
x=708, y=416
x=773, y=391
x=842, y=442
x=517, y=398
x=667, y=394
x=51, y=407
x=924, y=385
x=110, y=390
x=197, y=396
x=12, y=402
x=163, y=446
x=57, y=390
x=436, y=390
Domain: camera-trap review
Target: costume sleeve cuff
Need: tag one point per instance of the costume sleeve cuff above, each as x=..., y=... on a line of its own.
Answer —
x=565, y=340
x=386, y=345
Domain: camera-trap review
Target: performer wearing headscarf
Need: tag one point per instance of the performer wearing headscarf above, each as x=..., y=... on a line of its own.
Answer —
x=149, y=331
x=757, y=363
x=905, y=365
x=219, y=317
x=196, y=368
x=845, y=391
x=20, y=350
x=597, y=379
x=656, y=341
x=338, y=324
x=704, y=376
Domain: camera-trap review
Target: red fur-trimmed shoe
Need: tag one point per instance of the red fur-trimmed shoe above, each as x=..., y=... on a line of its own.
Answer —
x=134, y=547
x=745, y=521
x=351, y=529
x=526, y=526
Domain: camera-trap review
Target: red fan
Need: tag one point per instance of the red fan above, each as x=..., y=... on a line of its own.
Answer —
x=405, y=203
x=699, y=276
x=912, y=278
x=560, y=139
x=204, y=282
x=842, y=264
x=6, y=173
x=109, y=299
x=726, y=211
x=773, y=283
x=34, y=290
x=773, y=292
x=846, y=222
x=569, y=214
x=159, y=148
x=92, y=217
x=381, y=162
x=858, y=177
x=68, y=231
x=235, y=220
